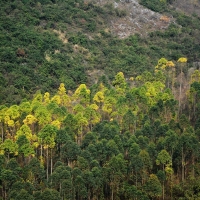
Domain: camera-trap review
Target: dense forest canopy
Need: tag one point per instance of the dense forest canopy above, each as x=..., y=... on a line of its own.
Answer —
x=108, y=142
x=131, y=131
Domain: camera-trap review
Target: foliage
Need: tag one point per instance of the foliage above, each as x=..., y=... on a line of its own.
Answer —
x=45, y=43
x=117, y=142
x=118, y=139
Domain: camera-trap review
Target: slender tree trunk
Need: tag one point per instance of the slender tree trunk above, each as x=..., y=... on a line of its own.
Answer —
x=61, y=191
x=193, y=166
x=41, y=151
x=136, y=179
x=2, y=191
x=172, y=87
x=163, y=186
x=47, y=164
x=171, y=187
x=51, y=162
x=163, y=191
x=183, y=164
x=180, y=95
x=194, y=110
x=2, y=133
x=112, y=197
x=5, y=193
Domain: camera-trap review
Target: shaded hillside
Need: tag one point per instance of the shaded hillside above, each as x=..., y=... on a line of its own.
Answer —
x=44, y=43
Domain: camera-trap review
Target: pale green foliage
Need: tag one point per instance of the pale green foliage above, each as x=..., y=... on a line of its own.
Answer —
x=42, y=115
x=163, y=158
x=24, y=130
x=9, y=147
x=82, y=94
x=47, y=136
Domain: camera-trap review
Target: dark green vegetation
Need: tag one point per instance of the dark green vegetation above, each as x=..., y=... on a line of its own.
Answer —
x=43, y=43
x=137, y=139
x=115, y=142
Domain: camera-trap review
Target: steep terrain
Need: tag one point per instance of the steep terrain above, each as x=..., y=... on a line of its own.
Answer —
x=137, y=19
x=141, y=20
x=99, y=100
x=187, y=6
x=47, y=42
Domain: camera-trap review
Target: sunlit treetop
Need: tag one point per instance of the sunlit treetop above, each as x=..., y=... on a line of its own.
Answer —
x=170, y=64
x=182, y=60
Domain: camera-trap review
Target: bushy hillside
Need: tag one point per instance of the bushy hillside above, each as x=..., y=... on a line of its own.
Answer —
x=44, y=43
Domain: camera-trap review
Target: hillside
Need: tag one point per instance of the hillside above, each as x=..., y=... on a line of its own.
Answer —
x=99, y=100
x=108, y=142
x=45, y=43
x=137, y=19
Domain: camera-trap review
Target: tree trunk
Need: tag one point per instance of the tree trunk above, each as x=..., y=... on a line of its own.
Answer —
x=61, y=191
x=193, y=173
x=51, y=162
x=2, y=133
x=163, y=186
x=183, y=164
x=180, y=95
x=2, y=191
x=136, y=179
x=112, y=196
x=163, y=191
x=41, y=151
x=47, y=164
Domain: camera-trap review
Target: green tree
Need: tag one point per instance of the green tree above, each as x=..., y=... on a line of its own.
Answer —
x=25, y=149
x=23, y=194
x=115, y=170
x=7, y=177
x=62, y=181
x=50, y=194
x=42, y=115
x=9, y=147
x=46, y=138
x=136, y=162
x=146, y=165
x=82, y=95
x=69, y=152
x=65, y=99
x=120, y=83
x=153, y=187
x=164, y=159
x=97, y=187
x=181, y=60
x=129, y=121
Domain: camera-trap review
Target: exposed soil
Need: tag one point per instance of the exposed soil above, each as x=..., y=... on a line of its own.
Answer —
x=138, y=19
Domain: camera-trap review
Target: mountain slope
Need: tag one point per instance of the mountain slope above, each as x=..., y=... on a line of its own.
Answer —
x=47, y=42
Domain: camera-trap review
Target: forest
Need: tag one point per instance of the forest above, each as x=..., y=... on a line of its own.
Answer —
x=110, y=141
x=132, y=132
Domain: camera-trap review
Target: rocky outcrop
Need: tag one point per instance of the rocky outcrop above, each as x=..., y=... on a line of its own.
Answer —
x=138, y=20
